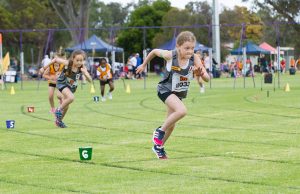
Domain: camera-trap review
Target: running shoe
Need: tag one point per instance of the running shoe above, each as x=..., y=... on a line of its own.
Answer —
x=158, y=136
x=160, y=152
x=202, y=90
x=58, y=114
x=60, y=124
x=109, y=95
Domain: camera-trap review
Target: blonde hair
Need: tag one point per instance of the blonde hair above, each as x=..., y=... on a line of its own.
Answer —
x=185, y=36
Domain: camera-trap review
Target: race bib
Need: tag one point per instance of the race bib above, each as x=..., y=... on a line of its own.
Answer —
x=73, y=83
x=180, y=83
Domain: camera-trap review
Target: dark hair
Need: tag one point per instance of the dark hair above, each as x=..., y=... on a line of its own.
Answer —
x=103, y=59
x=73, y=55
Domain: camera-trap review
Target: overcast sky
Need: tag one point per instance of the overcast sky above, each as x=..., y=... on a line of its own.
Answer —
x=182, y=3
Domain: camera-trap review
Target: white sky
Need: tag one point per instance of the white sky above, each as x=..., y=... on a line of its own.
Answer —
x=182, y=3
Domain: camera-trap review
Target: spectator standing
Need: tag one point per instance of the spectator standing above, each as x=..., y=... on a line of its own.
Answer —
x=46, y=61
x=133, y=62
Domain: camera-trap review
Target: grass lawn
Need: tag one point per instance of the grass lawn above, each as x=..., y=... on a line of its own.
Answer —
x=232, y=140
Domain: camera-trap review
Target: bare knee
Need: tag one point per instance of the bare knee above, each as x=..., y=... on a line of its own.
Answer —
x=71, y=99
x=112, y=88
x=181, y=112
x=50, y=96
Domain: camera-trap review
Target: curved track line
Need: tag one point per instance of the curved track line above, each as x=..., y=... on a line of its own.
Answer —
x=206, y=126
x=110, y=165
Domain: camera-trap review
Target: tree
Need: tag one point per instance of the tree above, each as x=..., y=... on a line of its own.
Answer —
x=75, y=16
x=146, y=15
x=280, y=12
x=30, y=14
x=195, y=13
x=232, y=21
x=107, y=15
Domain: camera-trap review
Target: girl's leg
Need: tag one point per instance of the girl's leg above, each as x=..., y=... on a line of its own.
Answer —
x=65, y=111
x=170, y=130
x=51, y=94
x=102, y=88
x=68, y=98
x=59, y=97
x=111, y=86
x=178, y=111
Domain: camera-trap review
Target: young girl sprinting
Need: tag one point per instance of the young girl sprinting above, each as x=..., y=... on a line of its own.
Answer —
x=174, y=86
x=106, y=77
x=50, y=74
x=67, y=82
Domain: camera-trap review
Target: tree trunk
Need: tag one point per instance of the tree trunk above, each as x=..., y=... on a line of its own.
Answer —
x=76, y=20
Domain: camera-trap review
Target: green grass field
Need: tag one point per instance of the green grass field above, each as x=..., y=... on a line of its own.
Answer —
x=232, y=141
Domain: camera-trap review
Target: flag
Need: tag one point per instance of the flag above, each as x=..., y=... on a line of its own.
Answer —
x=5, y=62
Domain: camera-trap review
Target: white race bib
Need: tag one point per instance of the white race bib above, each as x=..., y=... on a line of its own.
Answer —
x=180, y=83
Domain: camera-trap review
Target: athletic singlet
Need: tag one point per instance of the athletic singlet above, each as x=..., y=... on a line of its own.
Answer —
x=54, y=72
x=105, y=72
x=71, y=81
x=176, y=79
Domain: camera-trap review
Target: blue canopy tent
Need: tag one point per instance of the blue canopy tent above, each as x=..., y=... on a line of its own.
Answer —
x=96, y=43
x=251, y=49
x=171, y=44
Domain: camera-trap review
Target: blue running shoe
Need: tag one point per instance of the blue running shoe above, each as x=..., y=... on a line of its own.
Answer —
x=58, y=114
x=60, y=124
x=158, y=136
x=160, y=152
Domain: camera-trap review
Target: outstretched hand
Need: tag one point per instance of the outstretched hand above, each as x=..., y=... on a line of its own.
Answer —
x=140, y=69
x=199, y=71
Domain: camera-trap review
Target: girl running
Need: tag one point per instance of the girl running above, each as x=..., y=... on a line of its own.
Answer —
x=67, y=82
x=51, y=73
x=106, y=77
x=174, y=86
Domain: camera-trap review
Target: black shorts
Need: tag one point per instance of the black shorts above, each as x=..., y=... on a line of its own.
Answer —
x=163, y=97
x=102, y=83
x=52, y=85
x=73, y=90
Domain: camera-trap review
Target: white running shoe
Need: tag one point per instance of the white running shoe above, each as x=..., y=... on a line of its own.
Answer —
x=202, y=90
x=103, y=99
x=109, y=95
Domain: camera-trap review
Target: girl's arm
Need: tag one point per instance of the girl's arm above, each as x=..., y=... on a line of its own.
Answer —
x=200, y=67
x=86, y=74
x=46, y=74
x=55, y=60
x=167, y=55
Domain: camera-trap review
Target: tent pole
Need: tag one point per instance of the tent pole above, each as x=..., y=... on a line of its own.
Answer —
x=144, y=55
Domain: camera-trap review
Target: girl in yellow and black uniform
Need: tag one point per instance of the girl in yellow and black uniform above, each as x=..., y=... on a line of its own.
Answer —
x=51, y=73
x=105, y=74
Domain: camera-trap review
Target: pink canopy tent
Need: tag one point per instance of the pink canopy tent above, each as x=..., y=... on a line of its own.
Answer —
x=268, y=47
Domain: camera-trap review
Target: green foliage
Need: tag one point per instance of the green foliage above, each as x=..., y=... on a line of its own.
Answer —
x=196, y=13
x=30, y=14
x=280, y=12
x=241, y=15
x=147, y=15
